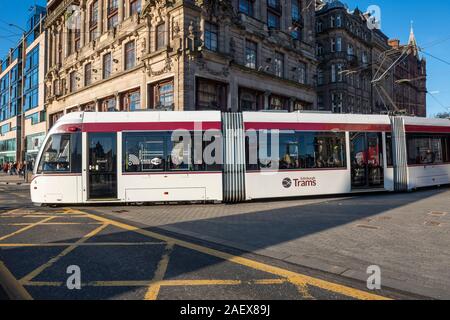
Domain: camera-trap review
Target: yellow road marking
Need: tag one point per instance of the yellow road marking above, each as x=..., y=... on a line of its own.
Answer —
x=10, y=211
x=295, y=278
x=13, y=289
x=26, y=228
x=49, y=263
x=162, y=283
x=50, y=223
x=153, y=289
x=66, y=244
x=302, y=288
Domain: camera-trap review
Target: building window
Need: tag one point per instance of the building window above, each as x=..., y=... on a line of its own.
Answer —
x=364, y=58
x=278, y=103
x=332, y=22
x=211, y=36
x=350, y=49
x=211, y=95
x=93, y=21
x=135, y=7
x=279, y=64
x=273, y=21
x=338, y=21
x=319, y=26
x=296, y=11
x=107, y=65
x=320, y=103
x=338, y=44
x=302, y=73
x=250, y=100
x=319, y=50
x=336, y=102
x=246, y=6
x=160, y=36
x=251, y=49
x=77, y=39
x=337, y=72
x=320, y=77
x=108, y=104
x=87, y=74
x=162, y=95
x=130, y=55
x=113, y=14
x=73, y=81
x=274, y=4
x=131, y=101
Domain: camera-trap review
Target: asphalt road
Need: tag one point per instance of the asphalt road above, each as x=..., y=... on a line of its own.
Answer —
x=120, y=259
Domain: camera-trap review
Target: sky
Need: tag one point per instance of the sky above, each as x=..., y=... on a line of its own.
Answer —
x=430, y=19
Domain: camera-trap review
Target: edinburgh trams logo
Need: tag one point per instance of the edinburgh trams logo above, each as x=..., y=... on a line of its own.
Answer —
x=287, y=183
x=300, y=182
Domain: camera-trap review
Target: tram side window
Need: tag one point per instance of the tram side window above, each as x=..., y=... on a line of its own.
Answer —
x=299, y=150
x=144, y=152
x=389, y=150
x=424, y=149
x=289, y=151
x=62, y=154
x=179, y=157
x=446, y=148
x=322, y=150
x=160, y=151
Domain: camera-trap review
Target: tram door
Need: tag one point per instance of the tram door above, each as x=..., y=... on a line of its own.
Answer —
x=102, y=166
x=366, y=160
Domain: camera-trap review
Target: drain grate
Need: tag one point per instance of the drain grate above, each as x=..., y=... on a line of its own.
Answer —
x=365, y=226
x=120, y=211
x=432, y=223
x=437, y=213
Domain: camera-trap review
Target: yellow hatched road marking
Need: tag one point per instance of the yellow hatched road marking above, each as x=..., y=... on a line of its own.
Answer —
x=153, y=289
x=50, y=223
x=293, y=277
x=90, y=244
x=162, y=283
x=49, y=263
x=26, y=228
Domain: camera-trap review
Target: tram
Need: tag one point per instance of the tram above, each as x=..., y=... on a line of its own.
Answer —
x=209, y=156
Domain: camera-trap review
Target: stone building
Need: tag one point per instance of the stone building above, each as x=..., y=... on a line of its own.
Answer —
x=350, y=56
x=410, y=76
x=109, y=55
x=22, y=112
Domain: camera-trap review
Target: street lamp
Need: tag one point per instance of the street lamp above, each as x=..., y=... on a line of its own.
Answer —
x=16, y=26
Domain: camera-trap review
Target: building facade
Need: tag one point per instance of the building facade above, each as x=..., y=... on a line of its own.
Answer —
x=410, y=76
x=22, y=113
x=227, y=55
x=351, y=55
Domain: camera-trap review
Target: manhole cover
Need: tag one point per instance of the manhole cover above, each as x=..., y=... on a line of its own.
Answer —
x=437, y=213
x=432, y=223
x=120, y=211
x=367, y=227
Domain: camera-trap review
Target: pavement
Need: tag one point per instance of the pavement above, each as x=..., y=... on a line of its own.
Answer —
x=405, y=234
x=6, y=179
x=293, y=249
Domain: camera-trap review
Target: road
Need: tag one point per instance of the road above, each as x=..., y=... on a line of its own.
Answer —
x=137, y=253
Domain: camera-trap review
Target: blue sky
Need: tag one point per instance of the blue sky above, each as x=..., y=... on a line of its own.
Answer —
x=431, y=25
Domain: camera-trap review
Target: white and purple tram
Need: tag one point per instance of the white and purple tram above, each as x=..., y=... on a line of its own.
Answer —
x=127, y=157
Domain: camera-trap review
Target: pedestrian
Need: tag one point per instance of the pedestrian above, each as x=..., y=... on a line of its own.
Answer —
x=20, y=168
